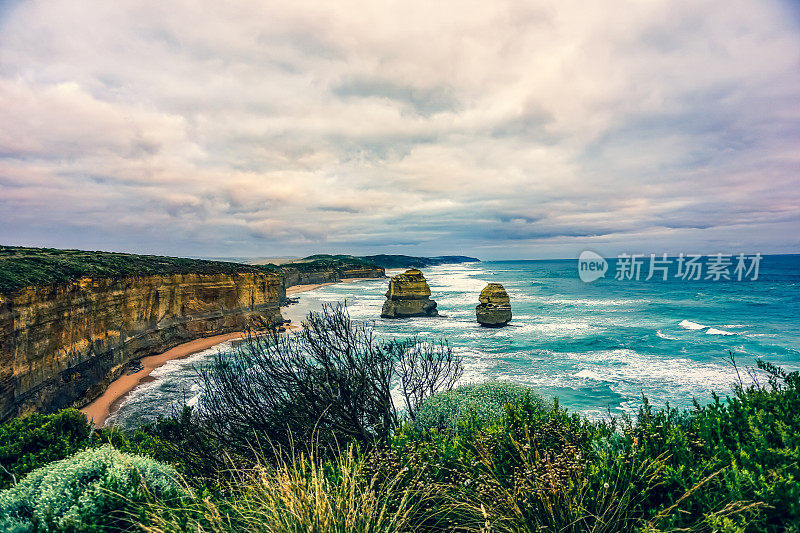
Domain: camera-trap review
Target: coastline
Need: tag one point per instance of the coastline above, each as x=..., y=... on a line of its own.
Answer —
x=297, y=289
x=105, y=405
x=102, y=407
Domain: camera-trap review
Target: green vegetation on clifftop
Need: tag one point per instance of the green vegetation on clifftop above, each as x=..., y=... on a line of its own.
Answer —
x=22, y=267
x=408, y=261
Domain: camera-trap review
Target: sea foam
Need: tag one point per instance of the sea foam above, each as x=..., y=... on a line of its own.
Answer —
x=715, y=331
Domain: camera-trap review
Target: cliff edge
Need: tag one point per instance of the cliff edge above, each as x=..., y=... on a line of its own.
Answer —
x=65, y=336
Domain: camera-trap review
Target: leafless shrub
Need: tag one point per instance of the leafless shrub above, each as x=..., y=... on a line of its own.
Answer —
x=327, y=384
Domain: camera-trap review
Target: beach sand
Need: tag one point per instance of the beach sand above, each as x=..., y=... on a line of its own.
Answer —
x=296, y=289
x=104, y=405
x=107, y=403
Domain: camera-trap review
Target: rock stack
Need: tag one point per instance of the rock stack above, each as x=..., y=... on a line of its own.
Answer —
x=408, y=295
x=494, y=311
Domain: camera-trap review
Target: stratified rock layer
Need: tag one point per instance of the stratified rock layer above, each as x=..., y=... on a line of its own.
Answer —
x=61, y=345
x=494, y=311
x=408, y=295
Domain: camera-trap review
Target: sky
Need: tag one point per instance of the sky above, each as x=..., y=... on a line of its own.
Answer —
x=503, y=130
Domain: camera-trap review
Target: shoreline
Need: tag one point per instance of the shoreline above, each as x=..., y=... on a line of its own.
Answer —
x=101, y=408
x=297, y=289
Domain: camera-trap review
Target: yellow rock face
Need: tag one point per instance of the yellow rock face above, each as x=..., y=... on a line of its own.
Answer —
x=495, y=307
x=61, y=345
x=408, y=295
x=494, y=293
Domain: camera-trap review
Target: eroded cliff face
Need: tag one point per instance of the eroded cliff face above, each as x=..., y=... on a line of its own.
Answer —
x=61, y=345
x=293, y=276
x=408, y=296
x=494, y=309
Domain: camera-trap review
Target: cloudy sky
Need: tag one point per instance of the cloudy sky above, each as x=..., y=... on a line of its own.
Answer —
x=499, y=129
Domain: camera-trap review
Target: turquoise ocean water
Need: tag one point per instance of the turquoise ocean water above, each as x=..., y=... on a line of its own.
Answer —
x=597, y=346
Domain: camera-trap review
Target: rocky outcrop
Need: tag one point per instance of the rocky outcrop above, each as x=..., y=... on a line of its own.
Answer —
x=494, y=311
x=62, y=344
x=408, y=295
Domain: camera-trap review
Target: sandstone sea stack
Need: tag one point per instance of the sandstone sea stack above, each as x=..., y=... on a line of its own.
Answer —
x=408, y=295
x=494, y=310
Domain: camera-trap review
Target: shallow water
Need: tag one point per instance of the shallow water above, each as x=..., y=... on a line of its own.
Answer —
x=599, y=347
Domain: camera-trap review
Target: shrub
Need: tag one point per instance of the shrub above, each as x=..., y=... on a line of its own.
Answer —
x=734, y=462
x=34, y=440
x=93, y=490
x=481, y=403
x=732, y=465
x=330, y=383
x=522, y=471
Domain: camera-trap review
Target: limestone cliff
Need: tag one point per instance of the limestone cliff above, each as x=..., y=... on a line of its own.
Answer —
x=327, y=269
x=61, y=344
x=408, y=295
x=292, y=275
x=494, y=309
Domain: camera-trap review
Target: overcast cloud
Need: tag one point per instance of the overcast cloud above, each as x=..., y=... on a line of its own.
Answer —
x=497, y=129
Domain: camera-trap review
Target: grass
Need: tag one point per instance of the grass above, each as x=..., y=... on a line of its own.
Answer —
x=730, y=466
x=303, y=495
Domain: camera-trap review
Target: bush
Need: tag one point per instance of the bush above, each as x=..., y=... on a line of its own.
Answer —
x=328, y=384
x=732, y=465
x=93, y=490
x=521, y=471
x=34, y=440
x=506, y=462
x=480, y=403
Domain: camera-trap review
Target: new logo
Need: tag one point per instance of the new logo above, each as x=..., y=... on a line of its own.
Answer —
x=591, y=266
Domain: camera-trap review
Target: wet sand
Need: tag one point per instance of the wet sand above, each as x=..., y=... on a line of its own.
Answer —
x=107, y=403
x=296, y=289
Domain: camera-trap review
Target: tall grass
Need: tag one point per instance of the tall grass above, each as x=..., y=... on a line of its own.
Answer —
x=301, y=495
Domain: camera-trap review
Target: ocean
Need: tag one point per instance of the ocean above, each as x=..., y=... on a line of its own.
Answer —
x=599, y=347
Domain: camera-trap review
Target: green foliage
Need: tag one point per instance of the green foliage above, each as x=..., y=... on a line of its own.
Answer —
x=381, y=260
x=735, y=461
x=408, y=261
x=34, y=440
x=732, y=465
x=23, y=267
x=94, y=490
x=523, y=471
x=339, y=263
x=480, y=403
x=179, y=442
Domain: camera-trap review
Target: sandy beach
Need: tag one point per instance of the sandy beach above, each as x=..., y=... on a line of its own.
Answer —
x=296, y=289
x=107, y=403
x=102, y=407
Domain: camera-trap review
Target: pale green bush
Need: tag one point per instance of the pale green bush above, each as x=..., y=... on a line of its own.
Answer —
x=93, y=490
x=481, y=403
